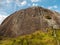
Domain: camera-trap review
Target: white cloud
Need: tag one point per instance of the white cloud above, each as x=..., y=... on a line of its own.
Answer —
x=53, y=7
x=8, y=1
x=50, y=7
x=2, y=17
x=57, y=11
x=21, y=3
x=34, y=4
x=35, y=0
x=5, y=1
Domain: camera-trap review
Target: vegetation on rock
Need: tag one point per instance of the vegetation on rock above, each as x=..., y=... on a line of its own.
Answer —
x=36, y=38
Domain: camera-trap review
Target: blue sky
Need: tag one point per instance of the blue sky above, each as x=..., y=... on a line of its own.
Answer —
x=8, y=7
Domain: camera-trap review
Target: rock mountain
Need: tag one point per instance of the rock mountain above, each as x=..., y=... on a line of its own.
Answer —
x=27, y=21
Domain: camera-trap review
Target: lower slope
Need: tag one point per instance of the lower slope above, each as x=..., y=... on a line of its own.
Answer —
x=36, y=38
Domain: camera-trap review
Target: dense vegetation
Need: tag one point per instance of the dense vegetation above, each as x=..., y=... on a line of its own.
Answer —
x=37, y=38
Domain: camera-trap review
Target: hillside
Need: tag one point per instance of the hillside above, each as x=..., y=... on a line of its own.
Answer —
x=27, y=21
x=36, y=38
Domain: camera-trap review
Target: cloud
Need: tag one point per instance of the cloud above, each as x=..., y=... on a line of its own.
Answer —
x=21, y=3
x=34, y=4
x=50, y=7
x=5, y=1
x=8, y=1
x=2, y=17
x=57, y=10
x=53, y=7
x=35, y=0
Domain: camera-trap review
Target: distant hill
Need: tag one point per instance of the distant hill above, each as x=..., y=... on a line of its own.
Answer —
x=27, y=21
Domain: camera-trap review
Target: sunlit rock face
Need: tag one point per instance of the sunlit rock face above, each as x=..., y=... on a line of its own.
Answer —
x=29, y=20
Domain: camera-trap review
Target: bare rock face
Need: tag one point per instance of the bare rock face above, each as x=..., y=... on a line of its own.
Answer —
x=29, y=20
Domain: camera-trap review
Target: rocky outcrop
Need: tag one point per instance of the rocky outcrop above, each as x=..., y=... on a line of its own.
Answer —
x=29, y=20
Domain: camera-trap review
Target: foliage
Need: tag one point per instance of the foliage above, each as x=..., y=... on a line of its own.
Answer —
x=37, y=38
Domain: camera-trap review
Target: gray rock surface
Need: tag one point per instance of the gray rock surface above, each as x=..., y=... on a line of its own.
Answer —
x=27, y=21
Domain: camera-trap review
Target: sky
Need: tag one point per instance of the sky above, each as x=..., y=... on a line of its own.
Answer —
x=8, y=7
